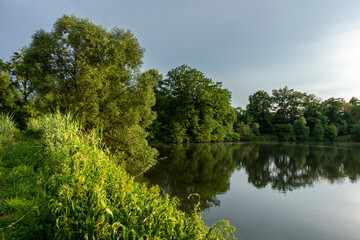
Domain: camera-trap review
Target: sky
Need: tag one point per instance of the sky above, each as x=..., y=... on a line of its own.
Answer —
x=311, y=46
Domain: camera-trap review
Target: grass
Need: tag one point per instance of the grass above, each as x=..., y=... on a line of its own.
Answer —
x=7, y=129
x=59, y=182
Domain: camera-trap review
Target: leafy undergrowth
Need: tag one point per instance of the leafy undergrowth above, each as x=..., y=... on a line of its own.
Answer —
x=57, y=182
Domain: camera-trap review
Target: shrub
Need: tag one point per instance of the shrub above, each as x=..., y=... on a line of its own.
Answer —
x=233, y=137
x=331, y=132
x=318, y=132
x=301, y=130
x=355, y=132
x=285, y=132
x=344, y=138
x=267, y=137
x=245, y=132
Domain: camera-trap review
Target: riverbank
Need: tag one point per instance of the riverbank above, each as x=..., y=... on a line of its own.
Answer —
x=58, y=182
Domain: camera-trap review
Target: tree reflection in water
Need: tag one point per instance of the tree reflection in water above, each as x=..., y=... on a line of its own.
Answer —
x=206, y=168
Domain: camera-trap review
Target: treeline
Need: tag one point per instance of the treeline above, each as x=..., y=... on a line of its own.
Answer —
x=289, y=115
x=94, y=73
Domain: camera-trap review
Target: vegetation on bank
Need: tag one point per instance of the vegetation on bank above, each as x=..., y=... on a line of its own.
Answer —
x=59, y=182
x=72, y=183
x=289, y=115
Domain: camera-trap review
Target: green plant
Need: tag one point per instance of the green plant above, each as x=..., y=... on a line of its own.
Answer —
x=285, y=132
x=355, y=132
x=7, y=129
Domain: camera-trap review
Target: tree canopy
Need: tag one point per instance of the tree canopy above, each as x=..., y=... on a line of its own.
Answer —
x=191, y=108
x=85, y=69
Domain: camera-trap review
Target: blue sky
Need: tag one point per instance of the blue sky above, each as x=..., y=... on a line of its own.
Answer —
x=310, y=45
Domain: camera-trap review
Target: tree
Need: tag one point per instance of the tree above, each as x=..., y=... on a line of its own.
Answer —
x=355, y=133
x=301, y=130
x=285, y=132
x=313, y=110
x=354, y=113
x=20, y=70
x=318, y=132
x=288, y=105
x=245, y=132
x=191, y=107
x=334, y=109
x=331, y=132
x=259, y=110
x=82, y=68
x=6, y=91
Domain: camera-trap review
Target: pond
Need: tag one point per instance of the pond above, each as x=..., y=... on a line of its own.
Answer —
x=267, y=190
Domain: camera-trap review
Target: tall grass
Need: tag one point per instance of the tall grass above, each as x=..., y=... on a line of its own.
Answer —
x=7, y=129
x=89, y=196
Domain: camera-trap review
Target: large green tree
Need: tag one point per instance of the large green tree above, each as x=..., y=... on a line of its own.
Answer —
x=85, y=69
x=259, y=108
x=20, y=70
x=191, y=107
x=287, y=105
x=6, y=90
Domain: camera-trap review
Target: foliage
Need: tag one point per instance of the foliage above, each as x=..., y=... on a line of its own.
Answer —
x=267, y=137
x=232, y=137
x=318, y=132
x=83, y=68
x=301, y=130
x=285, y=132
x=7, y=129
x=355, y=132
x=344, y=138
x=331, y=132
x=79, y=192
x=245, y=132
x=191, y=107
x=287, y=106
x=259, y=110
x=6, y=93
x=286, y=103
x=20, y=70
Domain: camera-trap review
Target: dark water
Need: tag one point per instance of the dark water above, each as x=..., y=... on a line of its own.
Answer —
x=268, y=190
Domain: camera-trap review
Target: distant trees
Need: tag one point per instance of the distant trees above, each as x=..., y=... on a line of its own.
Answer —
x=291, y=115
x=287, y=105
x=191, y=108
x=258, y=110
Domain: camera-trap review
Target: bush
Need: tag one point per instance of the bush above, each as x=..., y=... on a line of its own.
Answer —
x=331, y=132
x=301, y=130
x=267, y=137
x=285, y=132
x=233, y=137
x=345, y=138
x=318, y=132
x=245, y=132
x=355, y=133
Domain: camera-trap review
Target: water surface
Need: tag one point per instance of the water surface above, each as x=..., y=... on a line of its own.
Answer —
x=267, y=190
